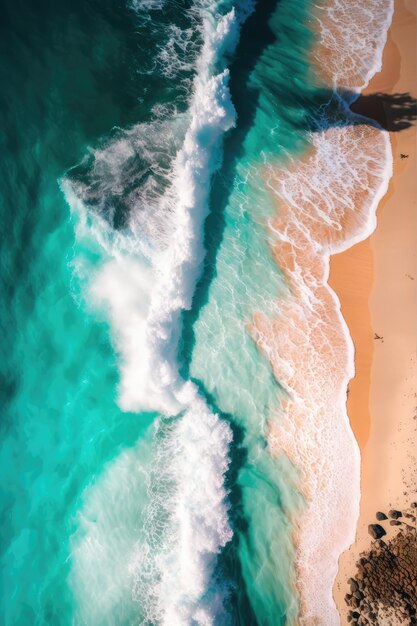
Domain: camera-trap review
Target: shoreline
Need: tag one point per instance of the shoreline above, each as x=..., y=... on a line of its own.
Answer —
x=327, y=364
x=311, y=229
x=375, y=281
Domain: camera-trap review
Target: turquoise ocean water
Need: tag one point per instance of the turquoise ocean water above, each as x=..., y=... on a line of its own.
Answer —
x=136, y=483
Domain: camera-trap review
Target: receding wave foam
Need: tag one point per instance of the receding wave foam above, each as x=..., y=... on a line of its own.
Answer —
x=352, y=38
x=146, y=282
x=326, y=203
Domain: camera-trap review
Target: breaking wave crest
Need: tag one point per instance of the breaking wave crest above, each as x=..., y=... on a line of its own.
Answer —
x=187, y=523
x=141, y=202
x=150, y=240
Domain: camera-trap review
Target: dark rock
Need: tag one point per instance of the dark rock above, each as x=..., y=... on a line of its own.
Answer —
x=380, y=516
x=395, y=514
x=376, y=531
x=356, y=615
x=395, y=522
x=353, y=584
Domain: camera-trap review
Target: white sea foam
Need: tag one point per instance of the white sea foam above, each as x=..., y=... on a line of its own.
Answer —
x=131, y=174
x=147, y=5
x=150, y=377
x=352, y=38
x=145, y=291
x=328, y=203
x=174, y=563
x=178, y=483
x=179, y=52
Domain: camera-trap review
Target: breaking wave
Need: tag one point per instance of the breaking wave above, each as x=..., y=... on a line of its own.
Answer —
x=150, y=240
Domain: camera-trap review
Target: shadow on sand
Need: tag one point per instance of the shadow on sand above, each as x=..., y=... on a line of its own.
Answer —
x=394, y=112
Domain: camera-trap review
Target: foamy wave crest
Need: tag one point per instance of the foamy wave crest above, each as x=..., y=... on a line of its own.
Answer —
x=172, y=227
x=179, y=53
x=145, y=291
x=127, y=181
x=187, y=523
x=352, y=38
x=158, y=384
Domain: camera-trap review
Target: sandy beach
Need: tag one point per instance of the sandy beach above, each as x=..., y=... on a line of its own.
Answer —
x=376, y=282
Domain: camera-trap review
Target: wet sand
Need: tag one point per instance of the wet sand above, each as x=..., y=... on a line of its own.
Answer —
x=351, y=277
x=376, y=282
x=309, y=348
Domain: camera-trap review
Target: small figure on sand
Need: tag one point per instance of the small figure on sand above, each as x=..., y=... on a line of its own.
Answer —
x=404, y=156
x=376, y=337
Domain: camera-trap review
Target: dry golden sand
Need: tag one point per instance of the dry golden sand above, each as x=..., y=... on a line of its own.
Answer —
x=376, y=282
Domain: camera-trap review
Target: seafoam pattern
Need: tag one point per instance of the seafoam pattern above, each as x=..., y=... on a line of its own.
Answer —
x=145, y=287
x=326, y=203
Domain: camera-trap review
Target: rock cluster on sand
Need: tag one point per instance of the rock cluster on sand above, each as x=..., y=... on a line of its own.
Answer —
x=376, y=531
x=384, y=589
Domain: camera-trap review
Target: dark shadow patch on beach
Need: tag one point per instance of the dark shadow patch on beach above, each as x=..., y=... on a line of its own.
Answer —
x=395, y=112
x=321, y=108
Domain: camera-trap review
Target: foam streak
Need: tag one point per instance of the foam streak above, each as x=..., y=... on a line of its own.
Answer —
x=174, y=578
